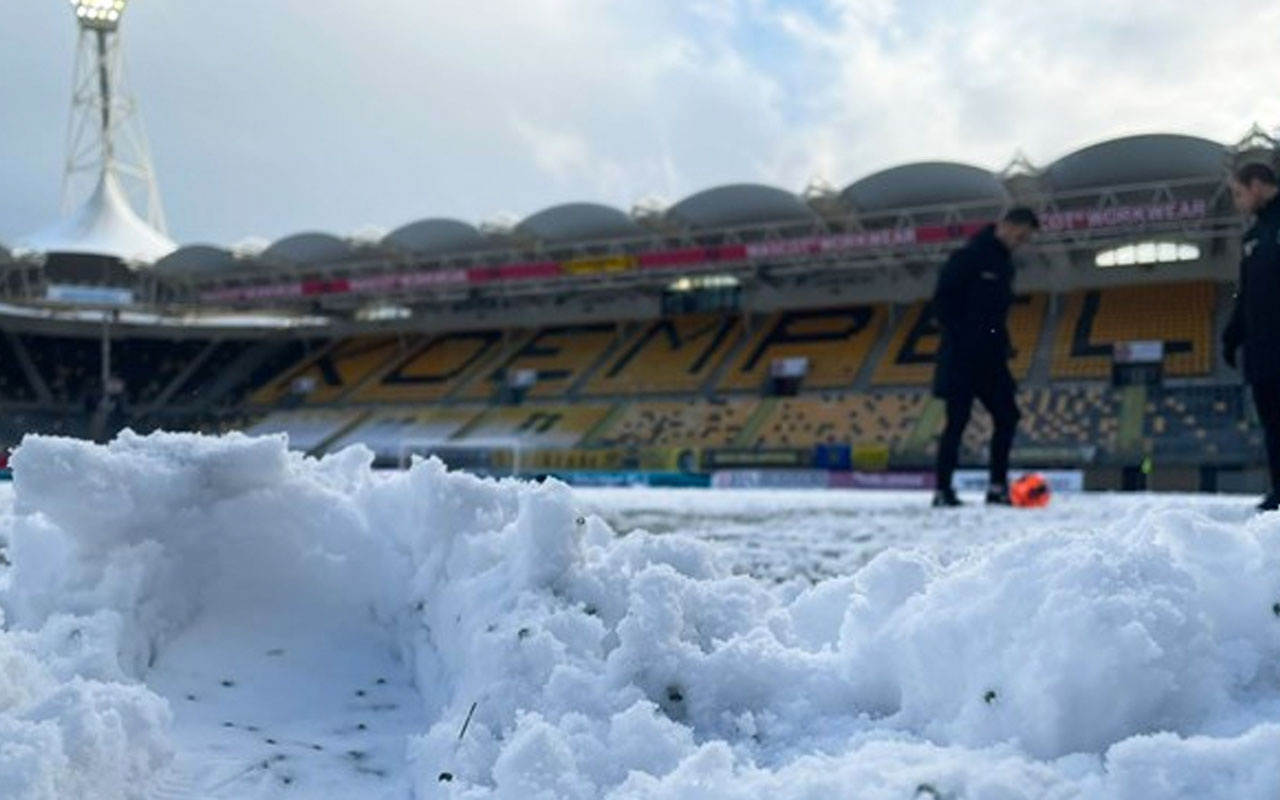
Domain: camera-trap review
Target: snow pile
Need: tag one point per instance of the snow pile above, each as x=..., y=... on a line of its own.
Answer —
x=559, y=660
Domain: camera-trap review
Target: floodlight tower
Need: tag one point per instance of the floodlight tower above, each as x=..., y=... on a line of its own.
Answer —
x=105, y=139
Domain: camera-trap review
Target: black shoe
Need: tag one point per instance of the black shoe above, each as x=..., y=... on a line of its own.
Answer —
x=946, y=498
x=1270, y=503
x=998, y=495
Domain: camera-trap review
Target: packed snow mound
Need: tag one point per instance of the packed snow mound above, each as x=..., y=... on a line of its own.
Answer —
x=561, y=660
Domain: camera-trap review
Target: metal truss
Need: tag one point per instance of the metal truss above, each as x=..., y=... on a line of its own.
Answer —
x=105, y=133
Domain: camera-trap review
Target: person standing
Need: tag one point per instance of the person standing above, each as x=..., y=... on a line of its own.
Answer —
x=1255, y=319
x=971, y=304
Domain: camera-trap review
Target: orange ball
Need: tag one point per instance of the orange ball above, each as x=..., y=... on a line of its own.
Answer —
x=1030, y=491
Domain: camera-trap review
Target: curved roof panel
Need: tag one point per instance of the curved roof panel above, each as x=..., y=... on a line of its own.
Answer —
x=579, y=221
x=196, y=259
x=925, y=183
x=740, y=204
x=1138, y=159
x=433, y=237
x=308, y=248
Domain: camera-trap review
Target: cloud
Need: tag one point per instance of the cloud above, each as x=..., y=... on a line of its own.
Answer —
x=267, y=119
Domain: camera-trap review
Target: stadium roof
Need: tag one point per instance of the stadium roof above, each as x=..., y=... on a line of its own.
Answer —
x=303, y=249
x=1138, y=159
x=1151, y=158
x=433, y=237
x=740, y=204
x=579, y=222
x=926, y=183
x=104, y=226
x=196, y=259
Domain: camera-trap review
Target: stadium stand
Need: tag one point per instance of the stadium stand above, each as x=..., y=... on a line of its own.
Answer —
x=1070, y=416
x=1178, y=314
x=884, y=418
x=913, y=347
x=692, y=423
x=70, y=367
x=1200, y=420
x=836, y=342
x=668, y=356
x=306, y=429
x=193, y=389
x=434, y=369
x=148, y=366
x=16, y=424
x=276, y=357
x=1064, y=419
x=559, y=426
x=553, y=360
x=394, y=433
x=14, y=385
x=334, y=371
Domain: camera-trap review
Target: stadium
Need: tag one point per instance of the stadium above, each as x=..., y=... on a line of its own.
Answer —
x=631, y=503
x=743, y=328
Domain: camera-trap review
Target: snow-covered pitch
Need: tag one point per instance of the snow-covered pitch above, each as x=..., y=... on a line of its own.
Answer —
x=190, y=617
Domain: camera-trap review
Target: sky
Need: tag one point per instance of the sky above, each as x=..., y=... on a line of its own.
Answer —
x=267, y=119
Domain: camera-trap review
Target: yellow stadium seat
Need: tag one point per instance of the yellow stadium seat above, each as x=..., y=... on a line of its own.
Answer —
x=668, y=356
x=554, y=426
x=913, y=348
x=693, y=423
x=337, y=369
x=1178, y=314
x=835, y=341
x=855, y=419
x=434, y=368
x=558, y=356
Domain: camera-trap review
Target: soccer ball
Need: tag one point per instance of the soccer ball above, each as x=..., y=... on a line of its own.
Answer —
x=1030, y=491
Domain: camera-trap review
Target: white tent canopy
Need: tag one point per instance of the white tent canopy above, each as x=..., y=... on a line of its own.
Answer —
x=105, y=225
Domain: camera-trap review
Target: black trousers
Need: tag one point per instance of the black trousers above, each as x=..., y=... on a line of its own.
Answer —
x=1266, y=395
x=998, y=398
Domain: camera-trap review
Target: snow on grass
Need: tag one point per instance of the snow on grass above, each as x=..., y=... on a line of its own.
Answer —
x=786, y=645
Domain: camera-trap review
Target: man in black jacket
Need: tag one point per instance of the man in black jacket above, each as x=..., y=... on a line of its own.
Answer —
x=1255, y=321
x=971, y=304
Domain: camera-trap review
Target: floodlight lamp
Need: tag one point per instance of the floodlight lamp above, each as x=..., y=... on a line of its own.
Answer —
x=102, y=15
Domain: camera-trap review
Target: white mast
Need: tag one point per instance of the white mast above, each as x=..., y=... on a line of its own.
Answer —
x=108, y=170
x=105, y=133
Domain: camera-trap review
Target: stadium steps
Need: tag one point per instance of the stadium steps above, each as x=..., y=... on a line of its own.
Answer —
x=486, y=367
x=746, y=333
x=475, y=422
x=1042, y=362
x=591, y=437
x=1133, y=408
x=29, y=369
x=324, y=444
x=878, y=351
x=179, y=380
x=238, y=371
x=280, y=385
x=926, y=427
x=623, y=336
x=751, y=428
x=408, y=345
